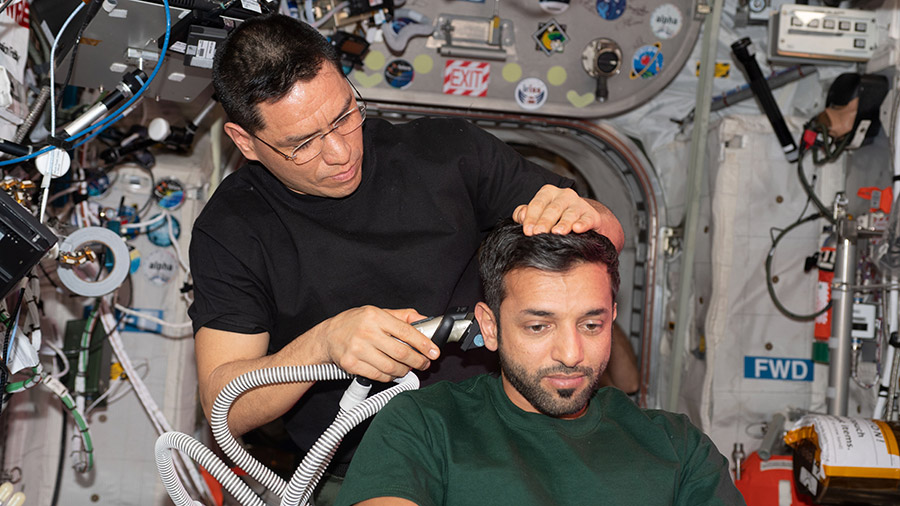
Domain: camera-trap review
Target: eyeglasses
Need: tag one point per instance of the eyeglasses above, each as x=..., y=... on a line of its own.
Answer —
x=312, y=147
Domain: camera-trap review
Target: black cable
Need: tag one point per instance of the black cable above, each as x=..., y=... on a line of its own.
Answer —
x=92, y=10
x=810, y=192
x=770, y=285
x=62, y=461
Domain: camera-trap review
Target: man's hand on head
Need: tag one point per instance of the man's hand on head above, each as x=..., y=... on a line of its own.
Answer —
x=378, y=344
x=561, y=211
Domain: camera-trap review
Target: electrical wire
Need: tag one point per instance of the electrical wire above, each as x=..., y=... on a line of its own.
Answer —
x=151, y=318
x=118, y=394
x=57, y=484
x=824, y=212
x=56, y=39
x=62, y=356
x=93, y=8
x=157, y=418
x=118, y=113
x=771, y=286
x=60, y=390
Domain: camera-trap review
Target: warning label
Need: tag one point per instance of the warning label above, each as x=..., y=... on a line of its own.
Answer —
x=464, y=77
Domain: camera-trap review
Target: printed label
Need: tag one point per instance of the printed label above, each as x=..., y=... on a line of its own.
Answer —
x=647, y=61
x=666, y=21
x=531, y=93
x=853, y=447
x=792, y=369
x=161, y=267
x=399, y=73
x=464, y=77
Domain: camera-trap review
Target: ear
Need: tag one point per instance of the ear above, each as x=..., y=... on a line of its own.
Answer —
x=241, y=139
x=615, y=310
x=488, y=325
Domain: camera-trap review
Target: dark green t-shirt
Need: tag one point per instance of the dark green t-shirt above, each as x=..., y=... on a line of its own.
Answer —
x=465, y=443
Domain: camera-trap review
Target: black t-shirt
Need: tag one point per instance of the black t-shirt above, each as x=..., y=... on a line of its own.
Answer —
x=267, y=259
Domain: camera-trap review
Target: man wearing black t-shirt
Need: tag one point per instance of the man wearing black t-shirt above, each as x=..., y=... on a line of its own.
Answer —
x=306, y=254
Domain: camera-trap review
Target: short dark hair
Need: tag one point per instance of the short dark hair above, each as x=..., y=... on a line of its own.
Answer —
x=508, y=248
x=262, y=59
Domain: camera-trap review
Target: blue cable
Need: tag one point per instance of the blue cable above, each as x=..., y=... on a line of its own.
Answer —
x=102, y=125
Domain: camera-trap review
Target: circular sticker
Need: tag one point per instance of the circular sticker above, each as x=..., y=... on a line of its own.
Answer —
x=161, y=267
x=610, y=9
x=512, y=72
x=557, y=75
x=554, y=6
x=158, y=233
x=666, y=21
x=531, y=93
x=647, y=61
x=423, y=64
x=169, y=193
x=374, y=60
x=399, y=73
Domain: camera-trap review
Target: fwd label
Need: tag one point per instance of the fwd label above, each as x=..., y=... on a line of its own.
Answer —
x=793, y=369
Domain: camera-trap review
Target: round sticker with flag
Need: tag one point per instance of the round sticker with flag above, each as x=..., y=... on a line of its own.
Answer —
x=465, y=77
x=531, y=93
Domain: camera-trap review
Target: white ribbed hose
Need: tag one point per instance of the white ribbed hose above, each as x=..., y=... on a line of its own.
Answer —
x=206, y=458
x=313, y=466
x=249, y=381
x=310, y=470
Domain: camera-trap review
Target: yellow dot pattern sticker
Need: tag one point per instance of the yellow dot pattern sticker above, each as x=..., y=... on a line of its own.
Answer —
x=557, y=75
x=512, y=72
x=423, y=64
x=374, y=60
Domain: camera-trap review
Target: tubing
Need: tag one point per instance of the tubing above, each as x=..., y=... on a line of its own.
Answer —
x=218, y=419
x=157, y=418
x=313, y=466
x=696, y=170
x=206, y=458
x=309, y=472
x=837, y=395
x=33, y=115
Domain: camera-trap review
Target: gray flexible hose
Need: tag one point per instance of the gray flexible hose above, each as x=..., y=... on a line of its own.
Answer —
x=313, y=466
x=33, y=115
x=206, y=458
x=310, y=471
x=251, y=380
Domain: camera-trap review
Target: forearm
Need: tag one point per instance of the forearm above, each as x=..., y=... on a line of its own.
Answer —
x=258, y=406
x=263, y=404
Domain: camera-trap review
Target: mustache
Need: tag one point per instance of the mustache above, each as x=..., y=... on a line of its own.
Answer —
x=563, y=369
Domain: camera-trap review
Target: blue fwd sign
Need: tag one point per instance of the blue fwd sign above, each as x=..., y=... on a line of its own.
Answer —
x=793, y=369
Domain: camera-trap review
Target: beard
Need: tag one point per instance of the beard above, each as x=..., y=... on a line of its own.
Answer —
x=551, y=402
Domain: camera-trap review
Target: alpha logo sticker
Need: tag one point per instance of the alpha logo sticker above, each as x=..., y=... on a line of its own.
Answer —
x=531, y=93
x=647, y=61
x=399, y=74
x=610, y=9
x=465, y=77
x=666, y=21
x=161, y=267
x=550, y=37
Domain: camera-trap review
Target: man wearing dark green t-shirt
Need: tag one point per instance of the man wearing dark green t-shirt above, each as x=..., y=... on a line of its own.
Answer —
x=542, y=433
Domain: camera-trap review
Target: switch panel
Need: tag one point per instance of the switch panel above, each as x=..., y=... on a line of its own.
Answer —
x=800, y=33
